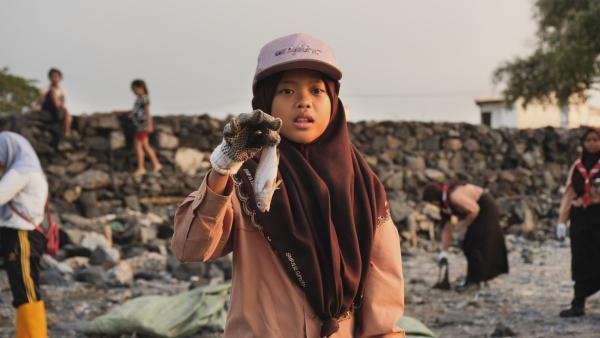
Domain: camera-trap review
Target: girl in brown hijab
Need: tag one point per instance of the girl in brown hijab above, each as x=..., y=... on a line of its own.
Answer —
x=483, y=244
x=325, y=260
x=581, y=207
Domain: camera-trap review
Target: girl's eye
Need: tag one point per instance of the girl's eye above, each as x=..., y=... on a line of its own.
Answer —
x=318, y=91
x=286, y=91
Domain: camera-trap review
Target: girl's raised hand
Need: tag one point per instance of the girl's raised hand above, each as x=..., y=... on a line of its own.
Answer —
x=243, y=137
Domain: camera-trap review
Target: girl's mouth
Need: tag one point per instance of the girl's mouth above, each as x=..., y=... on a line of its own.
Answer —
x=303, y=122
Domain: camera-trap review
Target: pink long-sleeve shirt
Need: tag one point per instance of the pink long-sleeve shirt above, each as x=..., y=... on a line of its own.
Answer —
x=264, y=300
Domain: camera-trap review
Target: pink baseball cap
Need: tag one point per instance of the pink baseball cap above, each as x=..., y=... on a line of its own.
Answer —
x=293, y=52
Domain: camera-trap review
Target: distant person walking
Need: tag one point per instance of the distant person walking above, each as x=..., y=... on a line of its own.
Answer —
x=53, y=101
x=581, y=207
x=483, y=244
x=23, y=195
x=144, y=126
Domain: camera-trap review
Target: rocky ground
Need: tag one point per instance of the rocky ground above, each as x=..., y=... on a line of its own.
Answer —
x=116, y=227
x=525, y=302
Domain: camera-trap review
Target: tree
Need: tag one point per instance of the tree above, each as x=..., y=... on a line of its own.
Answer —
x=16, y=93
x=566, y=61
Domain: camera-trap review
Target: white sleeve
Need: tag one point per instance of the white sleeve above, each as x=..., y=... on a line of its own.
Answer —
x=10, y=185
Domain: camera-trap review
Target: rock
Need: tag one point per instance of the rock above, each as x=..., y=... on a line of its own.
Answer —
x=394, y=181
x=71, y=195
x=149, y=262
x=164, y=231
x=88, y=202
x=104, y=121
x=526, y=216
x=453, y=144
x=399, y=211
x=52, y=276
x=415, y=163
x=185, y=271
x=94, y=275
x=48, y=262
x=97, y=143
x=507, y=176
x=145, y=234
x=431, y=211
x=503, y=330
x=120, y=275
x=57, y=170
x=105, y=257
x=72, y=250
x=431, y=143
x=75, y=168
x=93, y=240
x=133, y=250
x=92, y=179
x=76, y=263
x=190, y=161
x=167, y=141
x=393, y=143
x=132, y=202
x=117, y=140
x=435, y=175
x=471, y=145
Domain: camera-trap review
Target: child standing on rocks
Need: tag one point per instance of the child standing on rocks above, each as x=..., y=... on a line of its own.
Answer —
x=23, y=195
x=581, y=207
x=325, y=260
x=483, y=244
x=144, y=126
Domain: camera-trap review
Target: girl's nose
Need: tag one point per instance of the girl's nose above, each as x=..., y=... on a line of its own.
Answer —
x=303, y=100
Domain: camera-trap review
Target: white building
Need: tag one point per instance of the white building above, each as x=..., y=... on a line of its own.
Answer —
x=496, y=113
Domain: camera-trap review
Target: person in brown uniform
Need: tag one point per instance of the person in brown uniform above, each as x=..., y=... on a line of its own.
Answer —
x=325, y=260
x=483, y=244
x=581, y=208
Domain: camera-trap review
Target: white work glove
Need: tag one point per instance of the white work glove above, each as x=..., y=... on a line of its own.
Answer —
x=243, y=137
x=443, y=258
x=561, y=231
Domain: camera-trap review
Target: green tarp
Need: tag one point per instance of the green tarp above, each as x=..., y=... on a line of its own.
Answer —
x=414, y=328
x=166, y=316
x=186, y=313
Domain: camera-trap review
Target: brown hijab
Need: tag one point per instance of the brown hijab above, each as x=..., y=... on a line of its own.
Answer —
x=324, y=216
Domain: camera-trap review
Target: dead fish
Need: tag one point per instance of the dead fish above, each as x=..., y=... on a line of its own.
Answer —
x=265, y=180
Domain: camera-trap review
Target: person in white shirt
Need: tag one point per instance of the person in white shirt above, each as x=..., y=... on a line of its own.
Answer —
x=23, y=196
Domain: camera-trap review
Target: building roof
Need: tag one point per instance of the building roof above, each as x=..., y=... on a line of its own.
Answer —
x=488, y=99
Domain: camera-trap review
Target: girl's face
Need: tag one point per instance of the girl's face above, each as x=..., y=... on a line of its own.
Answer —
x=302, y=103
x=591, y=143
x=55, y=78
x=139, y=91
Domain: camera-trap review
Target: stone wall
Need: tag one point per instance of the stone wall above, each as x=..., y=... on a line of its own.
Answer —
x=90, y=175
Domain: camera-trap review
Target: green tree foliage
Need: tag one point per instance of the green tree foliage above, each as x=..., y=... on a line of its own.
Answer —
x=16, y=93
x=566, y=61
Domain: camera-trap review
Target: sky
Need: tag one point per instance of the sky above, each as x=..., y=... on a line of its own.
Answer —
x=401, y=60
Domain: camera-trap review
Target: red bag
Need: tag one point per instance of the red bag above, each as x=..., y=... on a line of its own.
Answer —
x=52, y=234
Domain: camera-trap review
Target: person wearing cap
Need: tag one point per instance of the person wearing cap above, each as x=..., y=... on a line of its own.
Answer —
x=483, y=244
x=23, y=195
x=325, y=260
x=580, y=208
